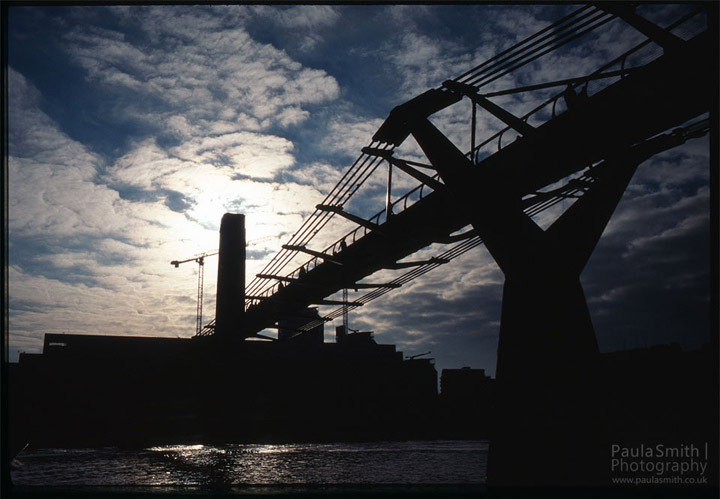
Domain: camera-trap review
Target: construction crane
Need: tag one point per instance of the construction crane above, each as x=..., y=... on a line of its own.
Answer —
x=200, y=260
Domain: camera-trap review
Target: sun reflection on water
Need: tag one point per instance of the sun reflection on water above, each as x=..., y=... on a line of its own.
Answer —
x=259, y=464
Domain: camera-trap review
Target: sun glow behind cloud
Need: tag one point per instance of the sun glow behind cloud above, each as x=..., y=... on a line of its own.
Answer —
x=208, y=102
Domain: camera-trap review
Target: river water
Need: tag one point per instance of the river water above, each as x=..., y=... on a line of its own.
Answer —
x=410, y=462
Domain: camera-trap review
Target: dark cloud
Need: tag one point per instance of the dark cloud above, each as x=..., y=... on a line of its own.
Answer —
x=177, y=201
x=648, y=279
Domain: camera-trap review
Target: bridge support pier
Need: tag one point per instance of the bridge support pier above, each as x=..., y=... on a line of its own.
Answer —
x=549, y=423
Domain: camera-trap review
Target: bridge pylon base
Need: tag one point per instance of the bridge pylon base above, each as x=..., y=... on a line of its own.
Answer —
x=549, y=420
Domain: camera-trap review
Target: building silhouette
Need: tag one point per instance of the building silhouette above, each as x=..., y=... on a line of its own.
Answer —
x=466, y=403
x=88, y=390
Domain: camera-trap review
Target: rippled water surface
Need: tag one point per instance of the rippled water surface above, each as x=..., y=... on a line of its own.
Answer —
x=414, y=462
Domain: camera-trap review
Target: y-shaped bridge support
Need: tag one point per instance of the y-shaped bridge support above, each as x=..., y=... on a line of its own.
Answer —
x=548, y=412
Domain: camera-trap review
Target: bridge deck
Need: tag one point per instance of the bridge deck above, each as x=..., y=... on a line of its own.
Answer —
x=666, y=93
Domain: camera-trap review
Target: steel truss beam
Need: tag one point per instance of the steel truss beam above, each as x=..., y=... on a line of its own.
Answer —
x=353, y=218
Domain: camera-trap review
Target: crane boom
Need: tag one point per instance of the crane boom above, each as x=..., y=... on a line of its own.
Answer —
x=194, y=258
x=200, y=260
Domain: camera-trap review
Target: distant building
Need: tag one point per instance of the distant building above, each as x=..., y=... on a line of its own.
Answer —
x=466, y=400
x=464, y=383
x=114, y=390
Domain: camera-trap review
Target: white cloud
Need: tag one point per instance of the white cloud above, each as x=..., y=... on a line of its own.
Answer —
x=86, y=260
x=303, y=25
x=117, y=307
x=321, y=176
x=306, y=16
x=349, y=134
x=407, y=15
x=201, y=66
x=424, y=62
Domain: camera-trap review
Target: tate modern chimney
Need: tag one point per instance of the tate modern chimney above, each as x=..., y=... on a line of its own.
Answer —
x=230, y=304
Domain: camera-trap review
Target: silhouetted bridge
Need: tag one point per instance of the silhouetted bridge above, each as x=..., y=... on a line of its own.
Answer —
x=582, y=140
x=565, y=139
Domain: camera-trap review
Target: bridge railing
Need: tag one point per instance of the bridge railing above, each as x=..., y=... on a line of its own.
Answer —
x=354, y=177
x=397, y=206
x=601, y=78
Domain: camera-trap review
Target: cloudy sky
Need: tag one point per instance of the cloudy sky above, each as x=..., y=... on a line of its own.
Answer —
x=133, y=129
